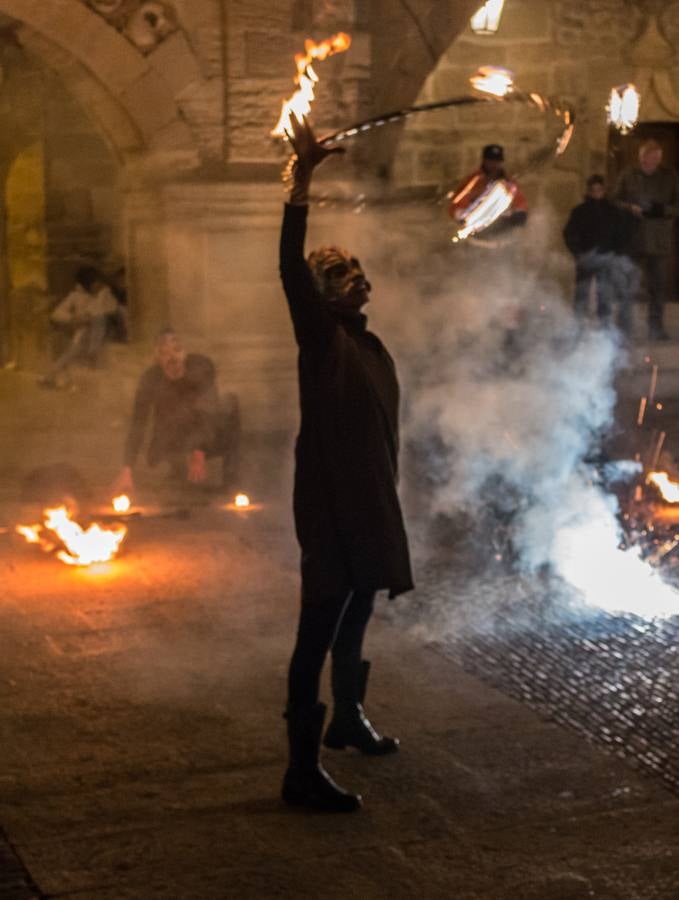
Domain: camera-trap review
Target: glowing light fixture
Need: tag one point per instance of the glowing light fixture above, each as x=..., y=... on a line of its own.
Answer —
x=487, y=19
x=493, y=80
x=623, y=107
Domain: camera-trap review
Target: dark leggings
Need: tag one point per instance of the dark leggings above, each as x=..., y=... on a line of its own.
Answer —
x=338, y=623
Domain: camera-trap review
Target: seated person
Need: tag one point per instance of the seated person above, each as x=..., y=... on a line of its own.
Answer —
x=189, y=421
x=81, y=316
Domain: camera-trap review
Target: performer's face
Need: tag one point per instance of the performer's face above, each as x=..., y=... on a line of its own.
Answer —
x=170, y=355
x=340, y=279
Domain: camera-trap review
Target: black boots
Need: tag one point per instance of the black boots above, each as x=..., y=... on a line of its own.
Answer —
x=349, y=726
x=306, y=783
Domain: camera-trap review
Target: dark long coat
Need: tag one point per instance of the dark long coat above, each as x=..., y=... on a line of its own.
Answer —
x=347, y=512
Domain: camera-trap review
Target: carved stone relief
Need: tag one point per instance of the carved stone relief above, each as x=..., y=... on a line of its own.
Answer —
x=145, y=23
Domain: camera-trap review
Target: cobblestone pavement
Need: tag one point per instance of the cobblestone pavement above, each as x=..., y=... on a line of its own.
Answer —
x=142, y=744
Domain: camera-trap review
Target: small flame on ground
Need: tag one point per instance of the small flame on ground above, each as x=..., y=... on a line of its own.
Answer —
x=493, y=80
x=669, y=490
x=82, y=547
x=623, y=107
x=121, y=504
x=242, y=501
x=306, y=78
x=486, y=209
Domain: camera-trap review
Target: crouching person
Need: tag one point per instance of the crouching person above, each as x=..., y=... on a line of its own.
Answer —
x=189, y=421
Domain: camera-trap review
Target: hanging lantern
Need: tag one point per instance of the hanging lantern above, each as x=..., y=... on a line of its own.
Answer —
x=487, y=19
x=623, y=107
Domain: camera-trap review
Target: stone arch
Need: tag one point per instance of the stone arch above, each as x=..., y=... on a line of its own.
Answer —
x=134, y=95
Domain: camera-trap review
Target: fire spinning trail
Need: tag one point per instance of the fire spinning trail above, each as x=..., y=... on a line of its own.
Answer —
x=492, y=83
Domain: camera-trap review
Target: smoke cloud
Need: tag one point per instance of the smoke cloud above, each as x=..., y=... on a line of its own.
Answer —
x=507, y=399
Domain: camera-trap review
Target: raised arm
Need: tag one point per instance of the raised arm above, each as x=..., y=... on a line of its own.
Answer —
x=312, y=322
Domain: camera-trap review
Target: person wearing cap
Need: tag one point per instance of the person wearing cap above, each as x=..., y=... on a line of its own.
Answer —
x=472, y=187
x=597, y=233
x=650, y=191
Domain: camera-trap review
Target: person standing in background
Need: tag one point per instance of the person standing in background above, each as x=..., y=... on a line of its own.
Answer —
x=650, y=191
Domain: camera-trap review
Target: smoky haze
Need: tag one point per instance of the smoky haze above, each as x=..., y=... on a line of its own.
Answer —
x=506, y=395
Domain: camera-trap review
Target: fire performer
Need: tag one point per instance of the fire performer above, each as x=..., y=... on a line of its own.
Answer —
x=190, y=421
x=347, y=513
x=471, y=188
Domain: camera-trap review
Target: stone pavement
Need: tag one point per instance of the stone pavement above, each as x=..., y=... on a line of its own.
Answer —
x=142, y=747
x=142, y=744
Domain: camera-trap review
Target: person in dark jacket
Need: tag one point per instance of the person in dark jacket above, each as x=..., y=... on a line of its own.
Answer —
x=347, y=513
x=189, y=421
x=597, y=233
x=650, y=191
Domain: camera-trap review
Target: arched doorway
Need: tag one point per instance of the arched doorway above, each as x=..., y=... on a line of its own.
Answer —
x=62, y=204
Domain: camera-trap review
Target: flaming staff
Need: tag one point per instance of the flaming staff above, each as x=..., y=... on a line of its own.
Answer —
x=493, y=84
x=490, y=82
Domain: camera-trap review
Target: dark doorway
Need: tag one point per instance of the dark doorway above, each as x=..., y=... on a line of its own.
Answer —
x=623, y=151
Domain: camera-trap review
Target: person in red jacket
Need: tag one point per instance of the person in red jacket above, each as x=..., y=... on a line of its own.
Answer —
x=471, y=188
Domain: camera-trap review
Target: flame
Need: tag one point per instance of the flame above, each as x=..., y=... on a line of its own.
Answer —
x=669, y=490
x=487, y=19
x=564, y=139
x=589, y=556
x=82, y=547
x=306, y=78
x=31, y=533
x=493, y=80
x=623, y=107
x=121, y=504
x=486, y=209
x=242, y=501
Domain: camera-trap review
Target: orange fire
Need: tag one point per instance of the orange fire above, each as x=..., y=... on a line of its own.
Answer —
x=241, y=501
x=121, y=504
x=493, y=80
x=306, y=78
x=486, y=209
x=669, y=490
x=81, y=547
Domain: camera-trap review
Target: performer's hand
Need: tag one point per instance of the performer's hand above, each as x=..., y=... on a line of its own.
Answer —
x=197, y=468
x=309, y=153
x=124, y=483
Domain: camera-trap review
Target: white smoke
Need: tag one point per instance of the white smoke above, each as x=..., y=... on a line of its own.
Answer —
x=508, y=397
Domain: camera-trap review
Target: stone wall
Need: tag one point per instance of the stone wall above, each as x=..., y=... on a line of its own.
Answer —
x=577, y=49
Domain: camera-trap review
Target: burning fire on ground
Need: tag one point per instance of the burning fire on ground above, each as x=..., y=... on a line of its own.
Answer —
x=122, y=503
x=74, y=545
